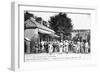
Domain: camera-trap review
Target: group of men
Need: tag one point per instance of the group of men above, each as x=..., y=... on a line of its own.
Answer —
x=65, y=47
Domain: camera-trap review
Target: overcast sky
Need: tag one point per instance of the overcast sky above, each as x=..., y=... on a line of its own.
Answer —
x=80, y=21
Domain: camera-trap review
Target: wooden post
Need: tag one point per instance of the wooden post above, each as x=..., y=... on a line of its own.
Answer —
x=28, y=46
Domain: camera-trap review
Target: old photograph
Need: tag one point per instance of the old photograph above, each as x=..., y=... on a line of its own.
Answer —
x=56, y=34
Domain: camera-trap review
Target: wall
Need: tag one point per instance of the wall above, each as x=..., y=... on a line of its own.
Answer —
x=5, y=38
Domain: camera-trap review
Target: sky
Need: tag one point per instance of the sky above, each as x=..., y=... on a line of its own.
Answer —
x=80, y=21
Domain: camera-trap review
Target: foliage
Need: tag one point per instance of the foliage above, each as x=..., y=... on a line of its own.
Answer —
x=27, y=15
x=61, y=24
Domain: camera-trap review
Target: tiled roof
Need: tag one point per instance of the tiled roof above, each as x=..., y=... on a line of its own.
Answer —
x=32, y=23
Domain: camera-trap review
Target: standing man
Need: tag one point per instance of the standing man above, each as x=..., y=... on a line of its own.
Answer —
x=86, y=47
x=42, y=43
x=50, y=48
x=61, y=47
x=66, y=46
x=78, y=46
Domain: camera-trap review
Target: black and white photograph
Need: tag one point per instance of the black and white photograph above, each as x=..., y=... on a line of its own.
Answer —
x=56, y=34
x=53, y=36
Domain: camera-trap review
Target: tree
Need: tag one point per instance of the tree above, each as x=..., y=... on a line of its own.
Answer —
x=27, y=15
x=39, y=20
x=61, y=24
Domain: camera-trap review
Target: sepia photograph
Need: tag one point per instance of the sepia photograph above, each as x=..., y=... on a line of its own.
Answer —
x=49, y=34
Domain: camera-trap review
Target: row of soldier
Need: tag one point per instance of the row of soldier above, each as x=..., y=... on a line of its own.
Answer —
x=65, y=47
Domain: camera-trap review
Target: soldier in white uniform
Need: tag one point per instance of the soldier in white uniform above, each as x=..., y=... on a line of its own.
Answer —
x=61, y=47
x=86, y=47
x=50, y=48
x=78, y=46
x=42, y=43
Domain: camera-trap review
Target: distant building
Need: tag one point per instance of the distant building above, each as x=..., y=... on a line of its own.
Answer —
x=83, y=34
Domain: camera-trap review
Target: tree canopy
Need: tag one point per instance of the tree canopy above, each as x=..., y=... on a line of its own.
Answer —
x=61, y=23
x=27, y=15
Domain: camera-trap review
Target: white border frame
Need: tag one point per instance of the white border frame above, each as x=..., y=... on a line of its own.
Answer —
x=17, y=61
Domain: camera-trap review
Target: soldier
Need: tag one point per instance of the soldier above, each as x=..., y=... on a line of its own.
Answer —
x=78, y=46
x=42, y=48
x=61, y=47
x=86, y=47
x=50, y=48
x=82, y=47
x=66, y=46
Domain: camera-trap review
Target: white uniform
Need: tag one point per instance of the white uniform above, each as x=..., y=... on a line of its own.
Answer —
x=61, y=47
x=86, y=47
x=42, y=43
x=50, y=48
x=78, y=46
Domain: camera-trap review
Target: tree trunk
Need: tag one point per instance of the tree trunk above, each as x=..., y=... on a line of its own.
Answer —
x=61, y=34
